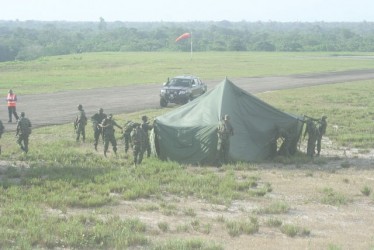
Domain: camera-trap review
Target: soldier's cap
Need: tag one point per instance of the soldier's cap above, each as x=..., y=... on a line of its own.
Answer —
x=101, y=109
x=144, y=117
x=80, y=106
x=22, y=114
x=110, y=115
x=324, y=117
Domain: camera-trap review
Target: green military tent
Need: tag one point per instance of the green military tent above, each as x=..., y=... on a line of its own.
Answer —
x=188, y=133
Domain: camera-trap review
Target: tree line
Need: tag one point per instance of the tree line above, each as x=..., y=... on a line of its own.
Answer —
x=27, y=40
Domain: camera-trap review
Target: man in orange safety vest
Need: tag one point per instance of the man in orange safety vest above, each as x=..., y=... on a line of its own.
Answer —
x=12, y=101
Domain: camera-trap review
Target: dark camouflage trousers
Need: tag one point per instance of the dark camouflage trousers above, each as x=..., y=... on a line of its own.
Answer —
x=223, y=148
x=138, y=153
x=110, y=139
x=81, y=130
x=23, y=141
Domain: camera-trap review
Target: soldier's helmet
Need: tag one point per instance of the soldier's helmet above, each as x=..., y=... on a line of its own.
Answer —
x=101, y=110
x=80, y=106
x=22, y=114
x=226, y=117
x=144, y=118
x=110, y=116
x=324, y=117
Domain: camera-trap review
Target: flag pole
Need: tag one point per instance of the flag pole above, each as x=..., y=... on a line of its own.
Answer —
x=191, y=44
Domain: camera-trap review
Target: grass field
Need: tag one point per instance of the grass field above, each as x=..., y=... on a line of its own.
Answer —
x=63, y=194
x=84, y=71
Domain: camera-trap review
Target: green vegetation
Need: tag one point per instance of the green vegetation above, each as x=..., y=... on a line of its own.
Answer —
x=279, y=207
x=366, y=190
x=33, y=39
x=293, y=230
x=108, y=69
x=60, y=175
x=192, y=244
x=273, y=222
x=332, y=197
x=65, y=195
x=236, y=228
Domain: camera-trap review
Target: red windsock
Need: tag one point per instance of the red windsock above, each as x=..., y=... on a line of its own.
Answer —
x=183, y=36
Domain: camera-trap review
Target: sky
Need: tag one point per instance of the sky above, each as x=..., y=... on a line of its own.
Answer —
x=189, y=10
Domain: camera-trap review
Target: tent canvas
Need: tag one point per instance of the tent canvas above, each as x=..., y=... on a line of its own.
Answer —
x=188, y=133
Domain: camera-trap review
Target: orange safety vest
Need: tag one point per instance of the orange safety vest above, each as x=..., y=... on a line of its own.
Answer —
x=12, y=99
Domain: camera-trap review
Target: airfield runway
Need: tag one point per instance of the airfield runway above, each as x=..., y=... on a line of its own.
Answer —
x=61, y=107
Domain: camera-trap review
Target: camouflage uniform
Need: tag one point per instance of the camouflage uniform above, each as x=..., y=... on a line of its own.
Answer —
x=108, y=127
x=96, y=120
x=224, y=132
x=1, y=128
x=322, y=130
x=80, y=123
x=23, y=132
x=1, y=131
x=313, y=134
x=138, y=143
x=146, y=127
x=127, y=134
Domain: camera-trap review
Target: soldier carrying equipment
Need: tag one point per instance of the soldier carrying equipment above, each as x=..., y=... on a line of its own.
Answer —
x=321, y=131
x=138, y=144
x=313, y=135
x=129, y=126
x=146, y=127
x=108, y=126
x=96, y=120
x=80, y=123
x=23, y=132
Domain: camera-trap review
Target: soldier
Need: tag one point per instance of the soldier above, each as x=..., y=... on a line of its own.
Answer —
x=129, y=126
x=96, y=120
x=146, y=127
x=138, y=143
x=224, y=132
x=1, y=131
x=312, y=132
x=108, y=126
x=23, y=132
x=80, y=123
x=322, y=131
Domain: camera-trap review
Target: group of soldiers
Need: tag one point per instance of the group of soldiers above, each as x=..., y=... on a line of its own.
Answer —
x=134, y=134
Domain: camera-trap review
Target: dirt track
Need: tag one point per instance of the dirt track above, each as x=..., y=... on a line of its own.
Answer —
x=60, y=108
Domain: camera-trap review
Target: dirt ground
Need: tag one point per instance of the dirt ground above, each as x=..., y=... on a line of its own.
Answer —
x=347, y=226
x=346, y=170
x=332, y=226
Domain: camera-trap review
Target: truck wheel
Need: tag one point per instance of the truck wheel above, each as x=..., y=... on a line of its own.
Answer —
x=163, y=102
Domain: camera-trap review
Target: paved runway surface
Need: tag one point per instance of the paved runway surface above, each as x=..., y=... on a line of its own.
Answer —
x=61, y=107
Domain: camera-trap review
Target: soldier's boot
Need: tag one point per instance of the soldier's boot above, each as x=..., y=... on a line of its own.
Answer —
x=95, y=146
x=105, y=153
x=0, y=150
